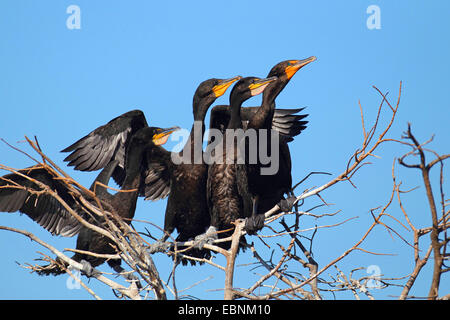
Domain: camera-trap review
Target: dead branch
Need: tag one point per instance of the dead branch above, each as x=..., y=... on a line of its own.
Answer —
x=125, y=291
x=437, y=223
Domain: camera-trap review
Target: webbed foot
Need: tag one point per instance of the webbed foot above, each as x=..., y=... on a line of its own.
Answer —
x=88, y=270
x=208, y=237
x=159, y=246
x=287, y=204
x=254, y=223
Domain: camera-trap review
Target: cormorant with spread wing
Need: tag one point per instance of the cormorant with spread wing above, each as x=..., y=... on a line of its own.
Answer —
x=21, y=192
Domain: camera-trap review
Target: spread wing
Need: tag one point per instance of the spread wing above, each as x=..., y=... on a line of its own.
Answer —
x=289, y=123
x=286, y=121
x=16, y=195
x=105, y=144
x=157, y=174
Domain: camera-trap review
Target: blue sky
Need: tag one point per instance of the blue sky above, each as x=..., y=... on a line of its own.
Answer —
x=59, y=84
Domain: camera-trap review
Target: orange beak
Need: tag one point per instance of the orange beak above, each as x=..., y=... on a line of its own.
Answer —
x=162, y=136
x=295, y=65
x=221, y=88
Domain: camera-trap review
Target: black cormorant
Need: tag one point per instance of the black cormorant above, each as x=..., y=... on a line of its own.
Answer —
x=16, y=195
x=226, y=201
x=267, y=190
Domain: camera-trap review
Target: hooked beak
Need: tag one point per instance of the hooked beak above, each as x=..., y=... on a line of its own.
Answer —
x=296, y=65
x=259, y=85
x=220, y=89
x=162, y=135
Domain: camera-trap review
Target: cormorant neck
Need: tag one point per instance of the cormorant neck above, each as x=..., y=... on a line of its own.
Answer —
x=103, y=178
x=200, y=107
x=235, y=114
x=271, y=93
x=133, y=165
x=264, y=115
x=127, y=200
x=194, y=146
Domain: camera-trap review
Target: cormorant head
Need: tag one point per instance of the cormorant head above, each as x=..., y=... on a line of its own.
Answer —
x=249, y=87
x=285, y=70
x=153, y=135
x=208, y=91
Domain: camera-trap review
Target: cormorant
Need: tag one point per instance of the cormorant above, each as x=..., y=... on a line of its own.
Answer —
x=268, y=190
x=184, y=183
x=15, y=195
x=226, y=201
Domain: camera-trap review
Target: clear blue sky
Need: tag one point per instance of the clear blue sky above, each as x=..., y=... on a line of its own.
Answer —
x=59, y=84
